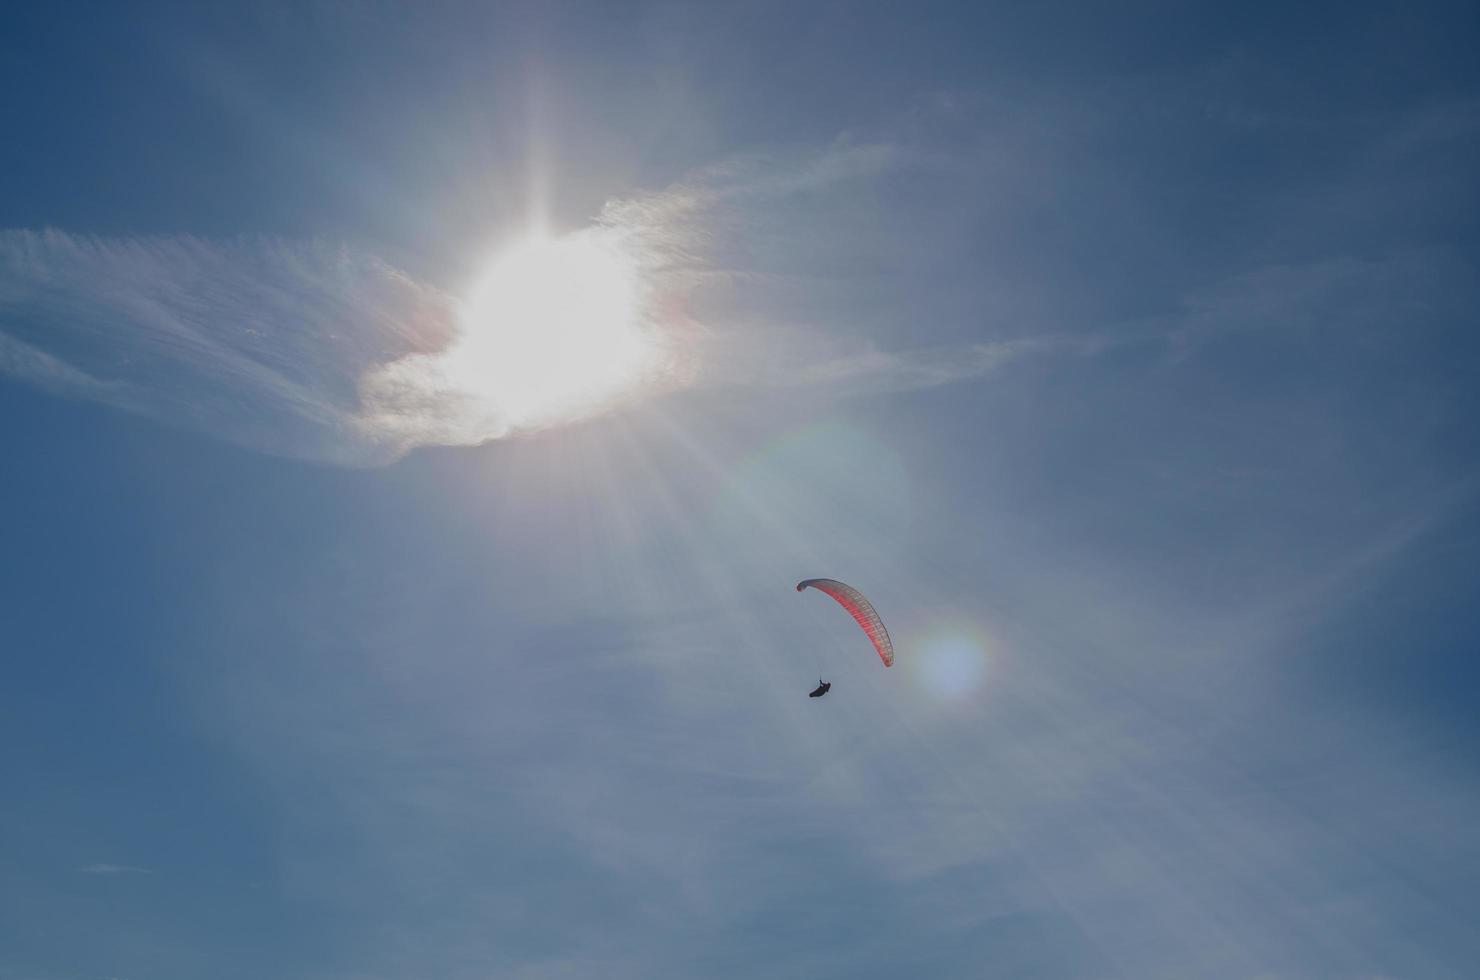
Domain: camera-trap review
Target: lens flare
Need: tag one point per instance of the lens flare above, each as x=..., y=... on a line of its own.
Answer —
x=951, y=663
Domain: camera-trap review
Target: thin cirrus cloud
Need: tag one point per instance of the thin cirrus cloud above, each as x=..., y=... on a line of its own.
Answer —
x=114, y=869
x=320, y=351
x=255, y=341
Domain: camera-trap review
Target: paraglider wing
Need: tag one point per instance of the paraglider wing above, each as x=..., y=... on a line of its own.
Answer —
x=860, y=609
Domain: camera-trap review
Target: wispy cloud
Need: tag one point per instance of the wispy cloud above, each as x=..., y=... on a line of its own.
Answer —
x=766, y=272
x=260, y=342
x=114, y=869
x=874, y=370
x=324, y=352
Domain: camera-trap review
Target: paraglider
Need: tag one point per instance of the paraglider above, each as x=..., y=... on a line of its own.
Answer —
x=822, y=688
x=860, y=609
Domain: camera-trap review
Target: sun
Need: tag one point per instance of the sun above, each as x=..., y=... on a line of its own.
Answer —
x=553, y=330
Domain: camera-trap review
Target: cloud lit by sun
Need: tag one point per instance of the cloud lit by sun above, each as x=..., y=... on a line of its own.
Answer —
x=554, y=329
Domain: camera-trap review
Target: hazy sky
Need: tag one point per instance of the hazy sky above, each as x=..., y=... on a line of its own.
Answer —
x=351, y=628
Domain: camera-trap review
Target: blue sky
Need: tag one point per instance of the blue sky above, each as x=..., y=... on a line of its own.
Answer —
x=1124, y=357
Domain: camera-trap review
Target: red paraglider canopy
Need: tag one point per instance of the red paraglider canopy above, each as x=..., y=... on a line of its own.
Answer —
x=860, y=609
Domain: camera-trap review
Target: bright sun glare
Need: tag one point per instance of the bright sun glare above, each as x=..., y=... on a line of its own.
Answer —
x=553, y=329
